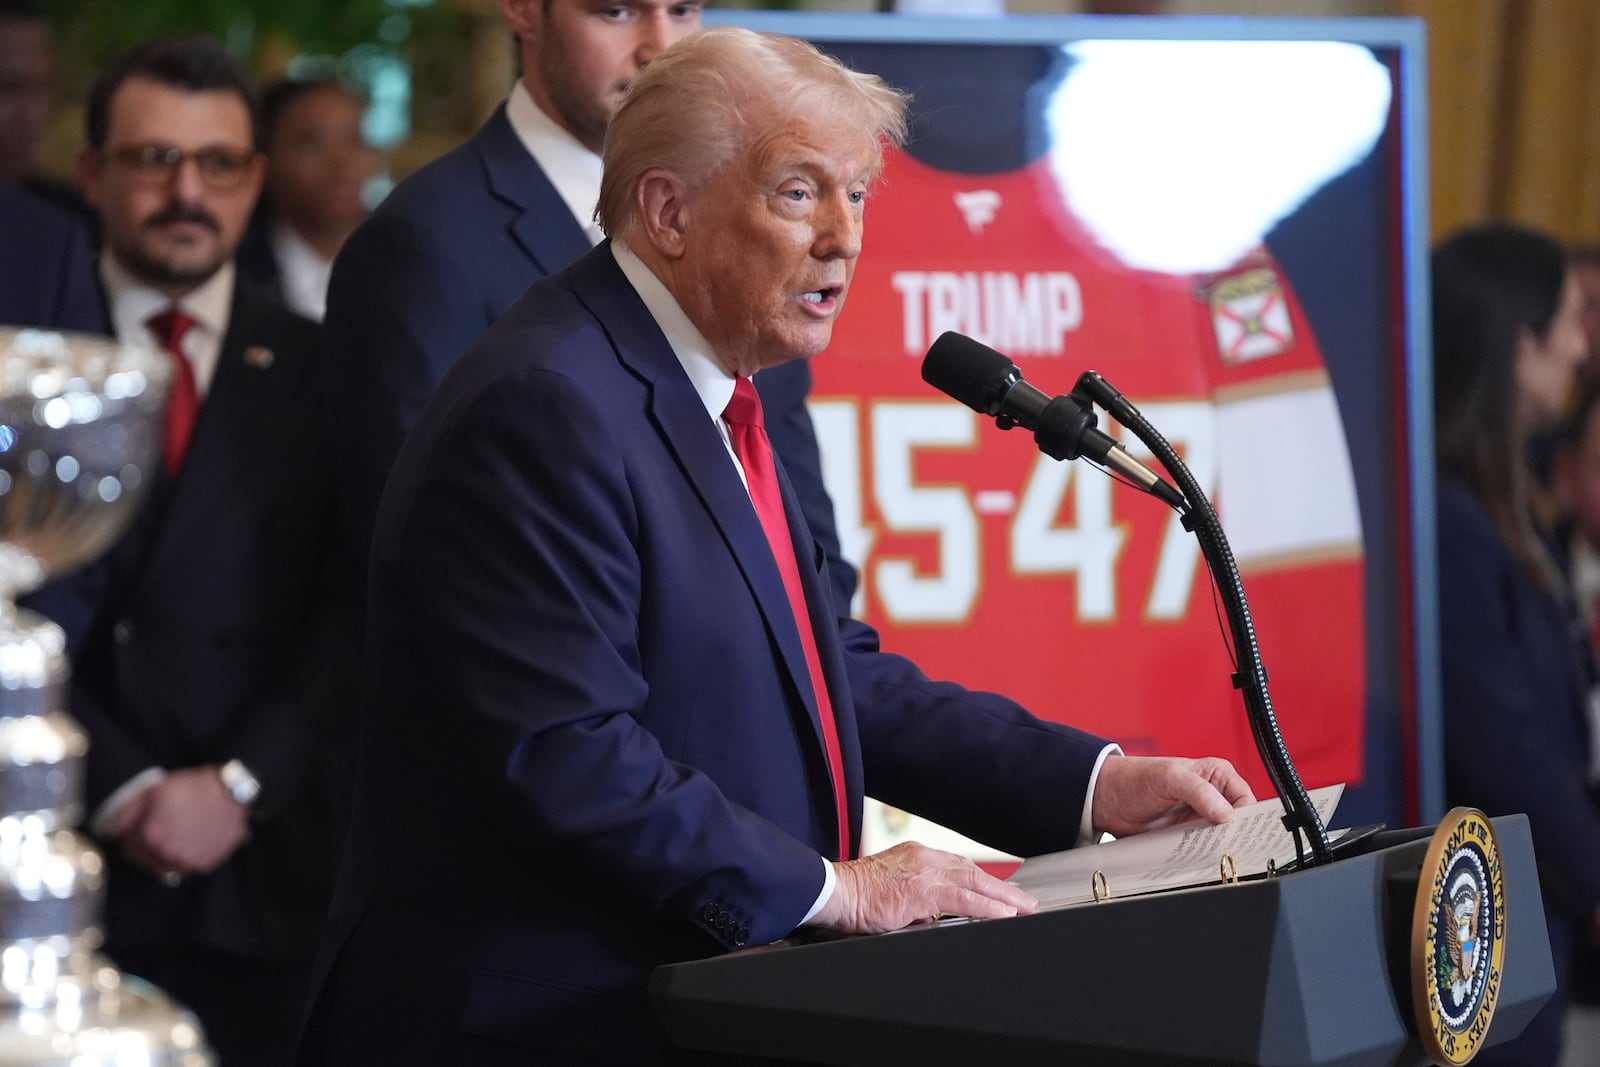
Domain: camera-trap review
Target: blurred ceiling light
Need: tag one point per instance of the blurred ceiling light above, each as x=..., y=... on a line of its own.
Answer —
x=1180, y=156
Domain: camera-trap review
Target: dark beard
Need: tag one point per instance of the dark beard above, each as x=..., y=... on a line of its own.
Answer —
x=163, y=273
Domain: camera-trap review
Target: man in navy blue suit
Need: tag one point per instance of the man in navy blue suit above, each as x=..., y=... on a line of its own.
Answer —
x=213, y=646
x=457, y=242
x=612, y=717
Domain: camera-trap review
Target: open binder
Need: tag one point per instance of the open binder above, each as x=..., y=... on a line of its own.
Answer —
x=1252, y=844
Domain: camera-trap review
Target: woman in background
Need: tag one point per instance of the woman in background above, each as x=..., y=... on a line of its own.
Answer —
x=1516, y=665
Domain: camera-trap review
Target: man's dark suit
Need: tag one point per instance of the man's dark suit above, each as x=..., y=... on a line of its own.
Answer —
x=256, y=259
x=445, y=255
x=47, y=274
x=585, y=752
x=218, y=632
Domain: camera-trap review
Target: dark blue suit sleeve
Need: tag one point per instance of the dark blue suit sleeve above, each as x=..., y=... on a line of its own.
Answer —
x=398, y=315
x=47, y=273
x=55, y=287
x=783, y=390
x=520, y=539
x=81, y=306
x=296, y=724
x=72, y=601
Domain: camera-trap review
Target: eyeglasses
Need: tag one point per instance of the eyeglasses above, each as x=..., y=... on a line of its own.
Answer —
x=220, y=167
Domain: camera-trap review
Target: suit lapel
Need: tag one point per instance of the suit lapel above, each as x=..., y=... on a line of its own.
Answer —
x=543, y=226
x=689, y=434
x=230, y=433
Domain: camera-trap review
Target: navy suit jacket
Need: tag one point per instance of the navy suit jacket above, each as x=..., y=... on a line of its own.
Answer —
x=217, y=628
x=586, y=748
x=47, y=275
x=440, y=260
x=1515, y=687
x=1515, y=700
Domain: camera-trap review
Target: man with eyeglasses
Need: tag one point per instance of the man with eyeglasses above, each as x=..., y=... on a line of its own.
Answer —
x=212, y=672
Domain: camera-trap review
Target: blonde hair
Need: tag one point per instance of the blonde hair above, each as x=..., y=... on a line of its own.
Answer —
x=716, y=92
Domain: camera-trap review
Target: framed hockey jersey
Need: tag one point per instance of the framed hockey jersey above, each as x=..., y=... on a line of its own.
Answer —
x=1223, y=218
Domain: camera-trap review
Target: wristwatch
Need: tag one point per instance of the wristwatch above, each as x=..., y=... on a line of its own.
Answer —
x=241, y=785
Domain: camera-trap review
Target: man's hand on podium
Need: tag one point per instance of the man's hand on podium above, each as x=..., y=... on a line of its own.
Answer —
x=913, y=883
x=1138, y=793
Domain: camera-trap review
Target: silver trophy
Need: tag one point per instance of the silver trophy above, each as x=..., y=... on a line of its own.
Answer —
x=80, y=422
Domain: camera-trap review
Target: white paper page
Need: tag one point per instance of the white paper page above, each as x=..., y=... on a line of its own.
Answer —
x=1189, y=853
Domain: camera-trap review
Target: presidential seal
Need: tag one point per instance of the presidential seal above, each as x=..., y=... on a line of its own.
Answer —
x=1458, y=931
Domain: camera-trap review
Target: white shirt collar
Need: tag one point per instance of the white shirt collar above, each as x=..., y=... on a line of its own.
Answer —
x=302, y=272
x=713, y=384
x=133, y=302
x=571, y=167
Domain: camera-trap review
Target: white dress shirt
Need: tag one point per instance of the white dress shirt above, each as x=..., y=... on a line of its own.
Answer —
x=133, y=303
x=570, y=166
x=302, y=271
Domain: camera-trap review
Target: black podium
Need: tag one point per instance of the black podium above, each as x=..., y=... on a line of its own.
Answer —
x=1312, y=967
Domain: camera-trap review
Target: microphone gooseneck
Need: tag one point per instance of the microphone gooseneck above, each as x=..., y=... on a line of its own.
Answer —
x=1064, y=427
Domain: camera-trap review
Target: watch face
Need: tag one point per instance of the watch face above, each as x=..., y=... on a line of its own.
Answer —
x=241, y=785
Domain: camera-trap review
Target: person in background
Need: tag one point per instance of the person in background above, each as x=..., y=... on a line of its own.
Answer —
x=1517, y=669
x=212, y=660
x=1577, y=546
x=47, y=276
x=455, y=244
x=48, y=281
x=1576, y=474
x=1550, y=490
x=27, y=80
x=318, y=167
x=612, y=717
x=1586, y=268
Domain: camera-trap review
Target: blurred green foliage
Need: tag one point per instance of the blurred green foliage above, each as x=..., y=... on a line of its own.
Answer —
x=92, y=31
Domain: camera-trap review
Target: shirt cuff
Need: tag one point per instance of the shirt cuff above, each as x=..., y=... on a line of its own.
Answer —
x=122, y=796
x=830, y=882
x=1086, y=834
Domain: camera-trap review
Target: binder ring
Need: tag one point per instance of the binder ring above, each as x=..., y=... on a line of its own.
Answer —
x=1098, y=884
x=1230, y=873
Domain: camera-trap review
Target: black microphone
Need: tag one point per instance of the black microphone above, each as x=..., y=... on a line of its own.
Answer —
x=1064, y=427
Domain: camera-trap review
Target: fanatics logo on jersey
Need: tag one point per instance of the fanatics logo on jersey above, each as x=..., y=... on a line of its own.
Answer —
x=978, y=207
x=1251, y=316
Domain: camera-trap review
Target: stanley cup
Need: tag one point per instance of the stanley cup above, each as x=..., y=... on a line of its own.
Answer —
x=80, y=425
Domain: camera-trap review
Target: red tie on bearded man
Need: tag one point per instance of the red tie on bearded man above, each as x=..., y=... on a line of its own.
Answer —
x=183, y=398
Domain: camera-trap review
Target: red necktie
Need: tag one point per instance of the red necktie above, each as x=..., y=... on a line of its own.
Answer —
x=183, y=398
x=750, y=444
